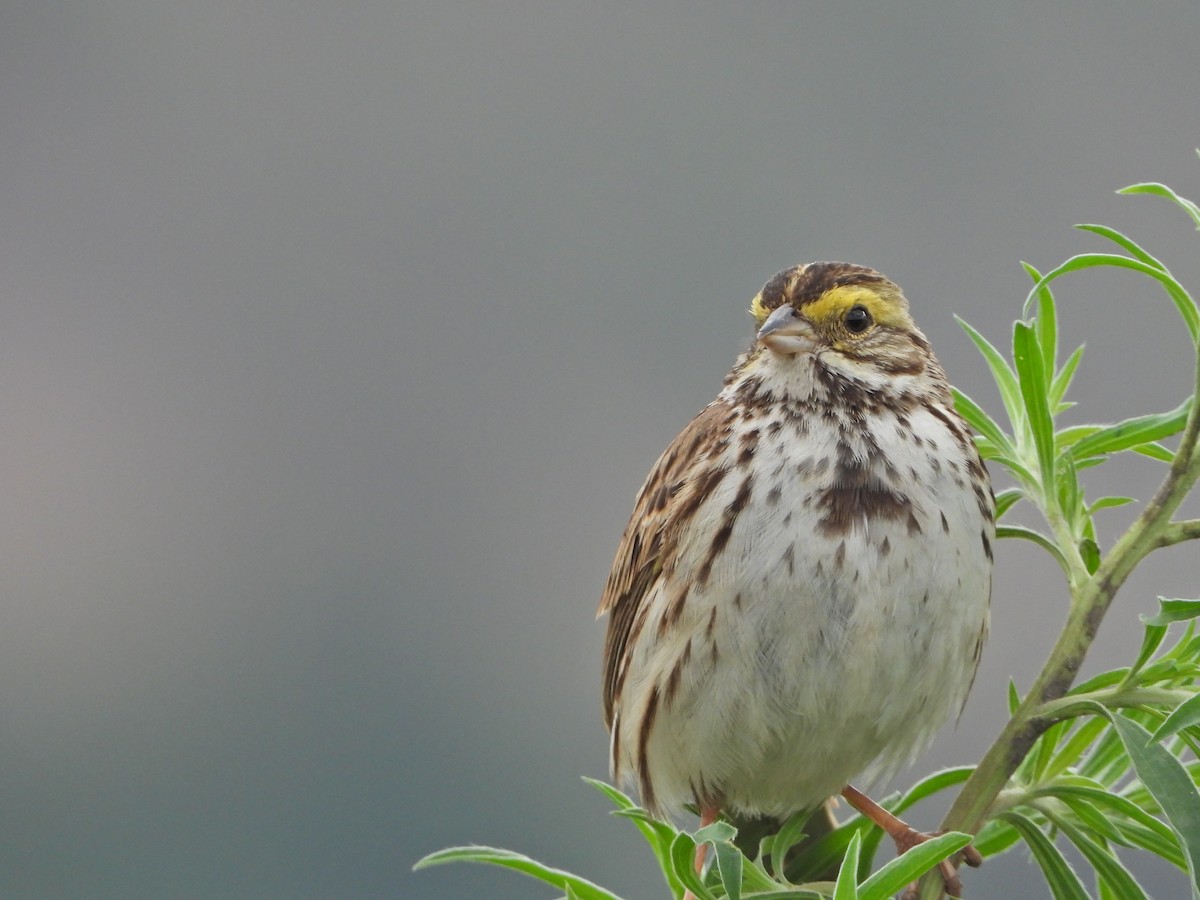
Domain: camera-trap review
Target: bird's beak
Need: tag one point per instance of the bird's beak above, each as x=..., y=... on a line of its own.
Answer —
x=785, y=331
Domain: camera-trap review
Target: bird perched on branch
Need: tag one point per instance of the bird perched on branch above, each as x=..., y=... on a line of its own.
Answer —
x=801, y=595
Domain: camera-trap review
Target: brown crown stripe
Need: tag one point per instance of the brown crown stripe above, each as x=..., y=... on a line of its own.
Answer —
x=804, y=284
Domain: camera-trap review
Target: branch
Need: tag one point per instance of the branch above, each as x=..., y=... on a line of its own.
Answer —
x=1178, y=532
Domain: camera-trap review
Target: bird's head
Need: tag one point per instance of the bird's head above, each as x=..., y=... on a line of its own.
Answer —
x=850, y=318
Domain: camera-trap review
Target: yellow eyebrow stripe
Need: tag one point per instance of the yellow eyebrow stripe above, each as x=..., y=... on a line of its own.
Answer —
x=835, y=302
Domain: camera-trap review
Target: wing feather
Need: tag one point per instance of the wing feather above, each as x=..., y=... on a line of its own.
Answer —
x=664, y=504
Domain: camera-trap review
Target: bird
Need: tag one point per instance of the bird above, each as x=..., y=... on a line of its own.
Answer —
x=801, y=596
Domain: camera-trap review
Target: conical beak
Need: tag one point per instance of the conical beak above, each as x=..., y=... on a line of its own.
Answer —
x=786, y=331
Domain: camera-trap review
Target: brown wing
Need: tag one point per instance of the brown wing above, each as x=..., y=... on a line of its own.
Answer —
x=670, y=495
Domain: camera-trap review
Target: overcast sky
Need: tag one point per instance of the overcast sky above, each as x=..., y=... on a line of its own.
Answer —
x=335, y=339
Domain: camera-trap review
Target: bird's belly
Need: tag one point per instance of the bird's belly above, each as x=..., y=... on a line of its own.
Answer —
x=845, y=652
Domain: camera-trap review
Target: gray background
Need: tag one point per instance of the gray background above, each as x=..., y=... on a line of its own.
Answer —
x=337, y=337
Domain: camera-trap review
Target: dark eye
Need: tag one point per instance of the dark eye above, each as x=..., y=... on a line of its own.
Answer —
x=858, y=319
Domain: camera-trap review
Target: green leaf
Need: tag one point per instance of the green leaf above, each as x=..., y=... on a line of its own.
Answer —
x=1137, y=826
x=583, y=889
x=1155, y=451
x=930, y=785
x=1180, y=297
x=1133, y=432
x=730, y=862
x=1104, y=861
x=1004, y=377
x=1125, y=243
x=1014, y=699
x=1088, y=815
x=790, y=834
x=1185, y=715
x=1072, y=435
x=1173, y=611
x=1045, y=325
x=1089, y=552
x=1045, y=748
x=1170, y=784
x=1162, y=190
x=1006, y=499
x=1076, y=744
x=1108, y=503
x=683, y=860
x=847, y=881
x=1028, y=534
x=1062, y=381
x=659, y=835
x=995, y=838
x=910, y=866
x=1064, y=883
x=984, y=424
x=1034, y=384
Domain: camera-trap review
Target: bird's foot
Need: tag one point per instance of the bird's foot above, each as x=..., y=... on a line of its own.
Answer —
x=907, y=837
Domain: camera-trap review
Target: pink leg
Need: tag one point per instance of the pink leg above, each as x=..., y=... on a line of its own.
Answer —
x=708, y=815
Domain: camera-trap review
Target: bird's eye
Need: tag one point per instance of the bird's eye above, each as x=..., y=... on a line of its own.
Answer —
x=858, y=319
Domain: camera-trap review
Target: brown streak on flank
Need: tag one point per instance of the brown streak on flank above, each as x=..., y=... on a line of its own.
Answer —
x=885, y=546
x=701, y=489
x=954, y=426
x=839, y=556
x=673, y=681
x=789, y=557
x=774, y=494
x=749, y=443
x=987, y=545
x=945, y=524
x=914, y=527
x=671, y=615
x=712, y=623
x=721, y=538
x=643, y=763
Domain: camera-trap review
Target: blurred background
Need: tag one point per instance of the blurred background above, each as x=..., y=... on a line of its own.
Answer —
x=336, y=338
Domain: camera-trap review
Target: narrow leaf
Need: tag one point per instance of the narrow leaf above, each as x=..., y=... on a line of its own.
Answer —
x=1133, y=432
x=1127, y=244
x=910, y=866
x=930, y=785
x=1045, y=326
x=1028, y=534
x=1108, y=868
x=1004, y=377
x=1062, y=381
x=1162, y=190
x=1173, y=611
x=659, y=835
x=974, y=416
x=583, y=888
x=1185, y=715
x=1064, y=883
x=1155, y=451
x=683, y=856
x=778, y=845
x=1006, y=499
x=1031, y=376
x=847, y=881
x=1180, y=297
x=995, y=838
x=1170, y=784
x=1109, y=503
